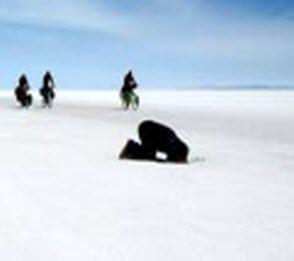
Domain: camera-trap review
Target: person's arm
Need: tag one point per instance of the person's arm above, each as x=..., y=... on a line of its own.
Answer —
x=133, y=83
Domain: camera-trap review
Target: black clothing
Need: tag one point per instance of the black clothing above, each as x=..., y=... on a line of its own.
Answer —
x=48, y=81
x=156, y=137
x=47, y=90
x=23, y=97
x=47, y=94
x=21, y=92
x=129, y=83
x=23, y=82
x=134, y=150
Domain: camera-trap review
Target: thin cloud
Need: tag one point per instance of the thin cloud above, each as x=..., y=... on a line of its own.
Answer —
x=74, y=14
x=190, y=28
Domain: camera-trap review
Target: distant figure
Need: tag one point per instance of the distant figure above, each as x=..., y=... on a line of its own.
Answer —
x=47, y=90
x=156, y=137
x=127, y=94
x=22, y=92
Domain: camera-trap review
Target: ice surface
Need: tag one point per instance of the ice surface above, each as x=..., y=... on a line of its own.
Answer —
x=64, y=195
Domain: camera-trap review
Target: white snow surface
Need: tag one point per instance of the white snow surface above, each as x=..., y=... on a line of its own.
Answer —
x=64, y=195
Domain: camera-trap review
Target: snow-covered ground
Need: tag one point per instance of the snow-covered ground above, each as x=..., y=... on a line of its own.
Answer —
x=64, y=195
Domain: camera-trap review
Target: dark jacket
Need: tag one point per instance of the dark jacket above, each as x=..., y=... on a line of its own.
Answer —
x=129, y=83
x=158, y=137
x=48, y=81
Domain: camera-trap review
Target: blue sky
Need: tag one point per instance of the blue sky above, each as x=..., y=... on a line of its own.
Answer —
x=167, y=43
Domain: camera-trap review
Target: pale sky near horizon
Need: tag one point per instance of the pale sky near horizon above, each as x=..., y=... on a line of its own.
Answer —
x=167, y=43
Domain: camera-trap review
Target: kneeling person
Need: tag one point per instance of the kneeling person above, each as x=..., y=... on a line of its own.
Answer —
x=155, y=138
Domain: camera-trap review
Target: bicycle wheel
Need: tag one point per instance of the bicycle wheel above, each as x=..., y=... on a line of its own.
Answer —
x=135, y=102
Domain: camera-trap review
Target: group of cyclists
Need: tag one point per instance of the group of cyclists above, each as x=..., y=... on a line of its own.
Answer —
x=22, y=92
x=25, y=98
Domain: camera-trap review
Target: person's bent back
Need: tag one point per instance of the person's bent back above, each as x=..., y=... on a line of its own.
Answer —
x=156, y=137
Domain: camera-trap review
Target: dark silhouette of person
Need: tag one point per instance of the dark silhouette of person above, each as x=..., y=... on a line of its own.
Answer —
x=22, y=92
x=47, y=90
x=48, y=81
x=156, y=137
x=129, y=83
x=127, y=94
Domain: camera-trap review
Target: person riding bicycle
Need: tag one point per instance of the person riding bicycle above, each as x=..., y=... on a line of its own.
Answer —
x=22, y=92
x=47, y=90
x=127, y=93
